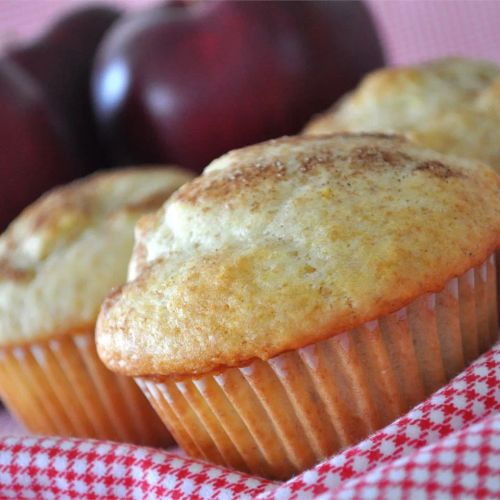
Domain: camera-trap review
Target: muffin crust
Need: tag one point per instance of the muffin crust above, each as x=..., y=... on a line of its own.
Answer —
x=449, y=105
x=63, y=254
x=288, y=242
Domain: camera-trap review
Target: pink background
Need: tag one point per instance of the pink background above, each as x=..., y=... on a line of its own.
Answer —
x=412, y=30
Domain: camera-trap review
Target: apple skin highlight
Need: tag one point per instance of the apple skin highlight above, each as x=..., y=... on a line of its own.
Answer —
x=186, y=82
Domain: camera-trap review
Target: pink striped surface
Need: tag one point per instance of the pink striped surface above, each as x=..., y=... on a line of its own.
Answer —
x=411, y=30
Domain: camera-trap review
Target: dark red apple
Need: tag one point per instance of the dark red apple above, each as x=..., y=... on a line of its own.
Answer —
x=32, y=155
x=61, y=62
x=185, y=82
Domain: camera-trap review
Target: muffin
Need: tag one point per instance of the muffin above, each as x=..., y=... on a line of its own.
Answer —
x=449, y=105
x=58, y=261
x=303, y=293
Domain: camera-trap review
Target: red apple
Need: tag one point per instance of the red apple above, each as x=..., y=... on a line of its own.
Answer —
x=61, y=61
x=186, y=82
x=32, y=155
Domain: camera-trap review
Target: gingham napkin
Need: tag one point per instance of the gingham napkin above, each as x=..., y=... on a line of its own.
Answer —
x=446, y=447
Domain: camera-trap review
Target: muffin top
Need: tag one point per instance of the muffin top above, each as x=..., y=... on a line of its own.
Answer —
x=285, y=243
x=64, y=253
x=449, y=105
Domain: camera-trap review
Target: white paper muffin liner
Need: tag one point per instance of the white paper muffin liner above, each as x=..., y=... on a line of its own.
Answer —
x=59, y=386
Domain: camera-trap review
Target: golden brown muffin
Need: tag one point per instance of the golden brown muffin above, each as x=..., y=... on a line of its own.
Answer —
x=449, y=105
x=58, y=260
x=304, y=292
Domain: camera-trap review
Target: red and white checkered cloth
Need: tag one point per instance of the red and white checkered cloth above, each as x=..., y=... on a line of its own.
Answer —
x=446, y=447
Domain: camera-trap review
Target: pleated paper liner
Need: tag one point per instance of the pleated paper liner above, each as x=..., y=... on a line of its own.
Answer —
x=279, y=417
x=60, y=387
